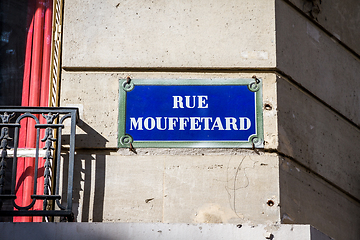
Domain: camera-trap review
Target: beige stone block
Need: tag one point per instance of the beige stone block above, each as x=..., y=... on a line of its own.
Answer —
x=172, y=34
x=315, y=61
x=133, y=189
x=88, y=185
x=340, y=18
x=318, y=138
x=270, y=108
x=221, y=189
x=308, y=199
x=231, y=187
x=96, y=94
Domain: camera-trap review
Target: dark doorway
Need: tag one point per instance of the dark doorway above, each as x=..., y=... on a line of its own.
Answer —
x=13, y=32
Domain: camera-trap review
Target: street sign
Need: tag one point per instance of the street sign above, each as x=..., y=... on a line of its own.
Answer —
x=213, y=113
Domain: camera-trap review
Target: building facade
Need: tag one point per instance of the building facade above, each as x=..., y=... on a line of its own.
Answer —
x=305, y=52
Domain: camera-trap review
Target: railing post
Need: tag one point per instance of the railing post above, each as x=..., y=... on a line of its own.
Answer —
x=4, y=138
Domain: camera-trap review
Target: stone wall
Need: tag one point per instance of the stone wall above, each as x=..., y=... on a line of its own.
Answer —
x=305, y=52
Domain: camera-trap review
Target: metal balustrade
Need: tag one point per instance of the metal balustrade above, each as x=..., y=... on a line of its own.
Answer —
x=57, y=179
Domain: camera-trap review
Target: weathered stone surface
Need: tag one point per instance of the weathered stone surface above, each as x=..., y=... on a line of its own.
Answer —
x=221, y=189
x=340, y=18
x=306, y=198
x=238, y=188
x=133, y=189
x=318, y=138
x=97, y=93
x=218, y=185
x=169, y=34
x=316, y=62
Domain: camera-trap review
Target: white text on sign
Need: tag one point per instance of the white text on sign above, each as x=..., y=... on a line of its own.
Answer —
x=191, y=123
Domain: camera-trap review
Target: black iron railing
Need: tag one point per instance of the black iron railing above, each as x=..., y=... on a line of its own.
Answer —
x=56, y=195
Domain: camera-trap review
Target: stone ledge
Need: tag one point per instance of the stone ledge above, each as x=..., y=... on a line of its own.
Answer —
x=140, y=231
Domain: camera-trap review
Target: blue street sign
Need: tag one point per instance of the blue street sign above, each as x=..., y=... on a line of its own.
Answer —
x=191, y=113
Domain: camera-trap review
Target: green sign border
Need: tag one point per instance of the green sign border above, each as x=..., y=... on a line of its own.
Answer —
x=255, y=140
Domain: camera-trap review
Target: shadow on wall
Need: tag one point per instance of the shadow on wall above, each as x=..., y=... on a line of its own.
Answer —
x=89, y=174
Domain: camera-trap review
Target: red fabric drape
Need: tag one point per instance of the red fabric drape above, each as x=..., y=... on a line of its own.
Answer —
x=35, y=93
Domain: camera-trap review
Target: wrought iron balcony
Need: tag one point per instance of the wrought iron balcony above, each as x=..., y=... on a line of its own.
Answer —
x=52, y=190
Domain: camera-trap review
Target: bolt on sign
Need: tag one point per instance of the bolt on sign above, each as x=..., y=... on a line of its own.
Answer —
x=206, y=113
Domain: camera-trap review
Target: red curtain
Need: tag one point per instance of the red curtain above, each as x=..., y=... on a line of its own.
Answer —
x=35, y=93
